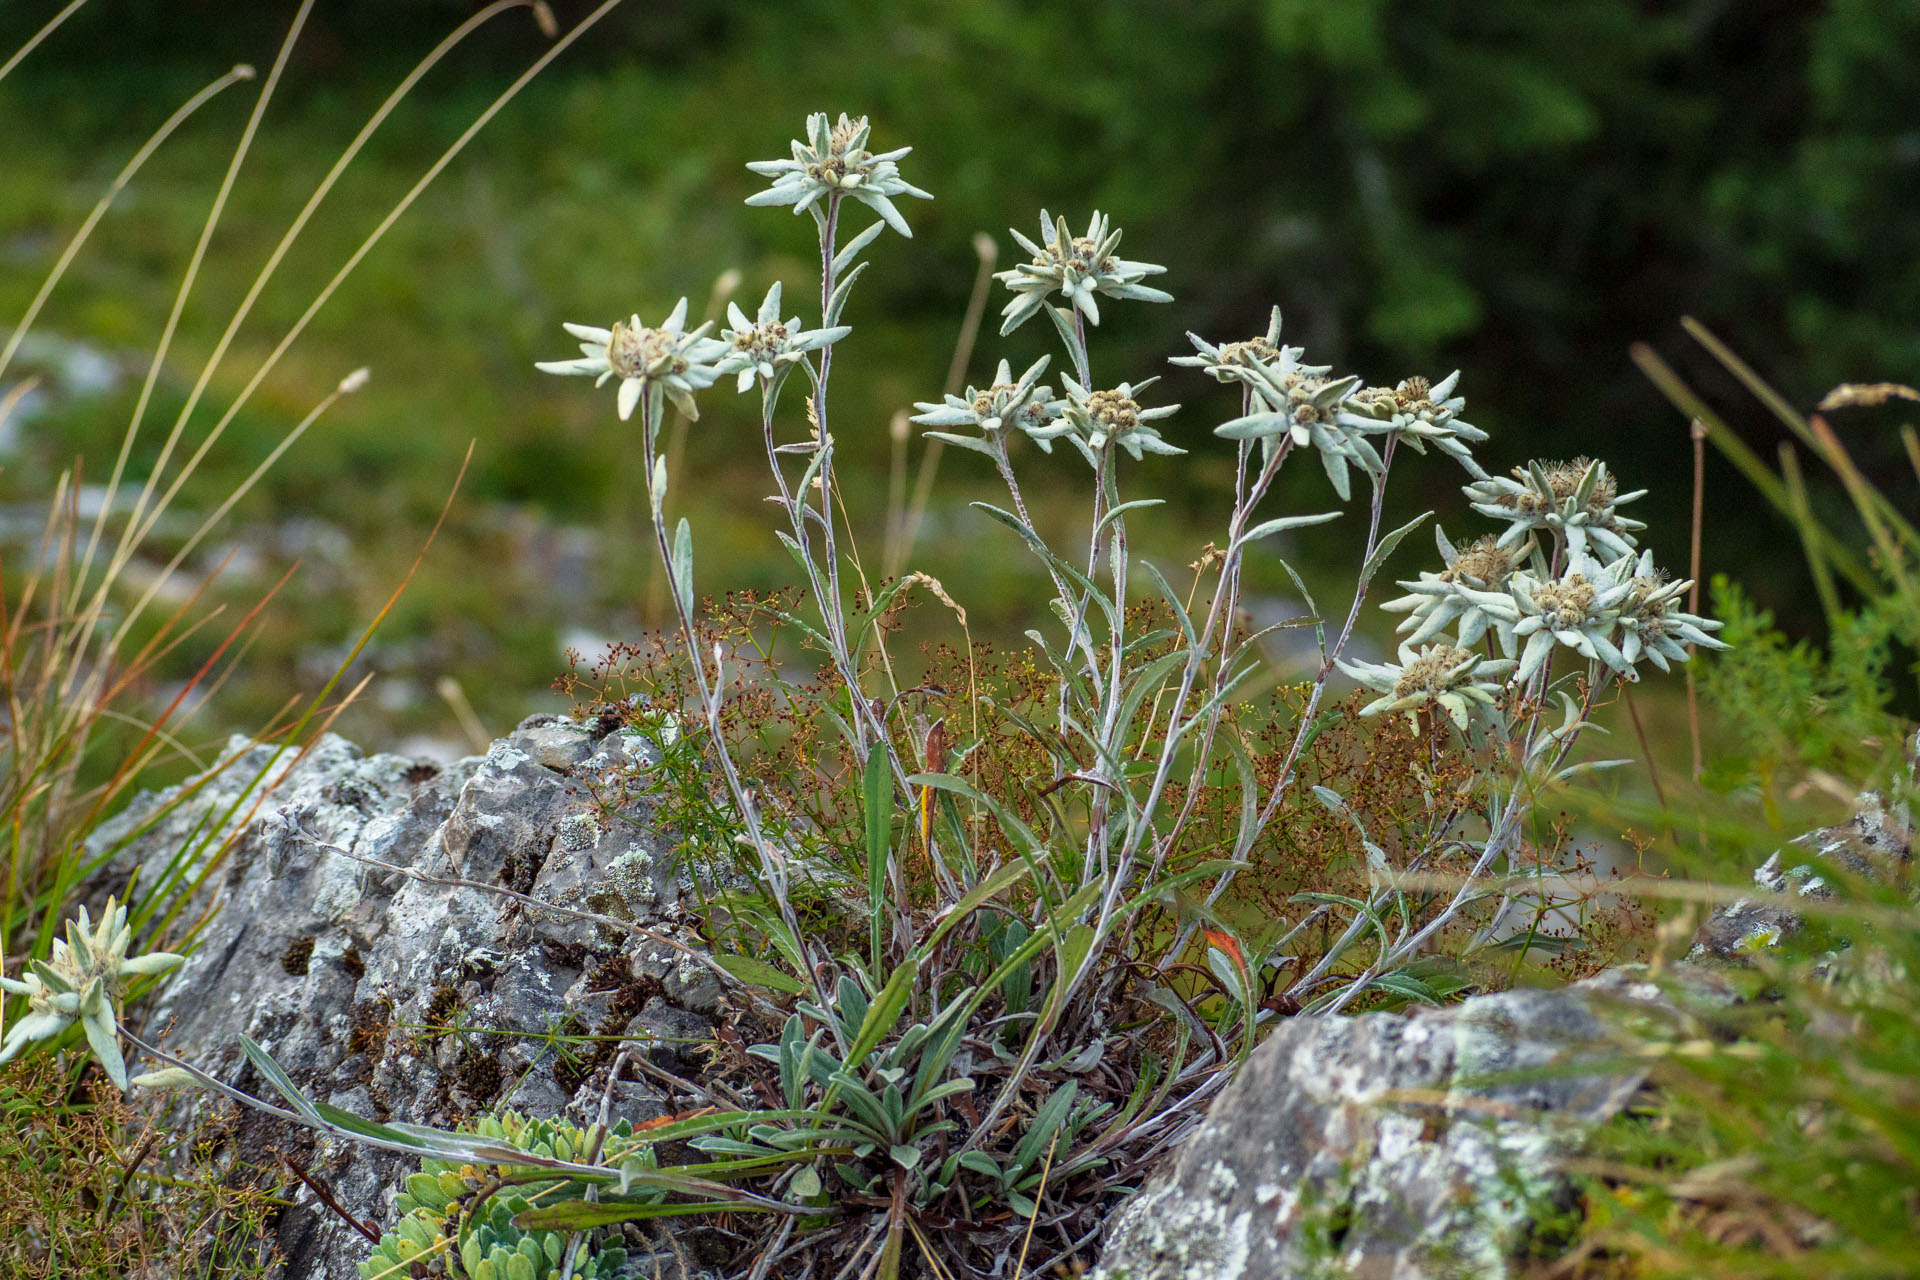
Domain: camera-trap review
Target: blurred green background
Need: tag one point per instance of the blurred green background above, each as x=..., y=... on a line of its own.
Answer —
x=1514, y=188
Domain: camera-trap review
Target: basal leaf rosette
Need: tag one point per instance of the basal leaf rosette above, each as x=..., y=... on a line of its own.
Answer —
x=1464, y=684
x=1575, y=500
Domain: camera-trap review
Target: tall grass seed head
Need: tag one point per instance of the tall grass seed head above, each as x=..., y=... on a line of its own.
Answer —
x=668, y=359
x=1008, y=403
x=1076, y=267
x=833, y=163
x=766, y=347
x=1576, y=500
x=1420, y=413
x=83, y=981
x=1458, y=681
x=1094, y=421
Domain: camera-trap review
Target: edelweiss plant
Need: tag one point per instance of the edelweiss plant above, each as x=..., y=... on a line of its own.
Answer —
x=972, y=990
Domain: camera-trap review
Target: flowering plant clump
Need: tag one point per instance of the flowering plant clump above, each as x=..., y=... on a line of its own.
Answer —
x=934, y=955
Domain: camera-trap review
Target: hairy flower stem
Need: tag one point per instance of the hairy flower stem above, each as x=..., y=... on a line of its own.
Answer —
x=772, y=863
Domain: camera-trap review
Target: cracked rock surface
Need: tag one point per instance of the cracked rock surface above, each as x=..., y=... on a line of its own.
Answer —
x=411, y=1001
x=1383, y=1146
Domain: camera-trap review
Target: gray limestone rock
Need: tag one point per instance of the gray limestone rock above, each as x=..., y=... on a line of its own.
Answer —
x=413, y=1001
x=1384, y=1146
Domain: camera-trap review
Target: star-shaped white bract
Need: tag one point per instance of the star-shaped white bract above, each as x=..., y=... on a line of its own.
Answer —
x=1008, y=403
x=1457, y=681
x=1454, y=595
x=1094, y=421
x=84, y=981
x=1576, y=500
x=1078, y=267
x=1420, y=413
x=766, y=348
x=1654, y=626
x=669, y=360
x=834, y=161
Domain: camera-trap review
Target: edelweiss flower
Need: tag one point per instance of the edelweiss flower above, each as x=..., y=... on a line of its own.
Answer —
x=1302, y=403
x=84, y=981
x=1458, y=681
x=1580, y=609
x=667, y=359
x=1077, y=266
x=1093, y=420
x=1441, y=599
x=1008, y=403
x=1251, y=363
x=1420, y=413
x=1653, y=624
x=768, y=347
x=1574, y=499
x=835, y=162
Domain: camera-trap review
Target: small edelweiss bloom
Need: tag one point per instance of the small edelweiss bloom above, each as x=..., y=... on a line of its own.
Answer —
x=1009, y=403
x=767, y=347
x=1459, y=681
x=833, y=162
x=1252, y=363
x=83, y=981
x=668, y=359
x=1301, y=403
x=1077, y=267
x=1457, y=594
x=1420, y=413
x=1576, y=500
x=1096, y=420
x=1580, y=609
x=1652, y=623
